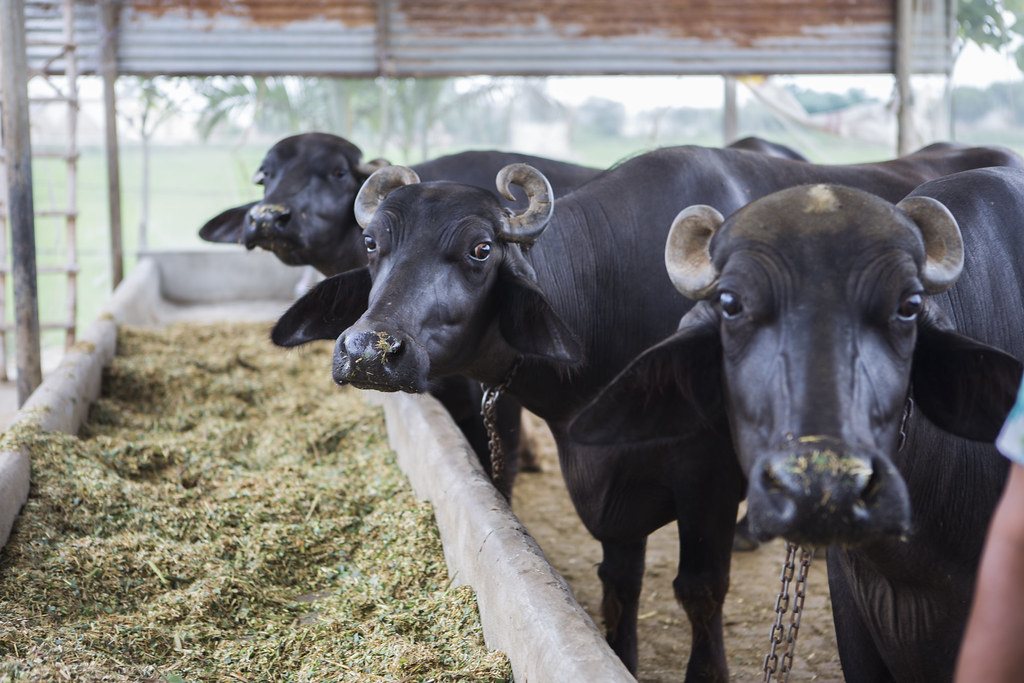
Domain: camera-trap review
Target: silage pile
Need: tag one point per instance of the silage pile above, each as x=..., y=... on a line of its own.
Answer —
x=228, y=514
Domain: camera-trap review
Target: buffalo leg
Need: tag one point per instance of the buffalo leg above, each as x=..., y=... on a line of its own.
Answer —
x=706, y=529
x=510, y=430
x=622, y=573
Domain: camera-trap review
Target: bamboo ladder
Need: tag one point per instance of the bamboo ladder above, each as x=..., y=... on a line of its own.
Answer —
x=61, y=259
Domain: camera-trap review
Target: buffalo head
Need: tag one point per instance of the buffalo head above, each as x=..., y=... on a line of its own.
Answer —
x=306, y=216
x=447, y=289
x=816, y=332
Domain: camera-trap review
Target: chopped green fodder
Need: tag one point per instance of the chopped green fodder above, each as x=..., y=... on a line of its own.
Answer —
x=228, y=514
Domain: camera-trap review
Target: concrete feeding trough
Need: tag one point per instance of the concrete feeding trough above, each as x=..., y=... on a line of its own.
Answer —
x=527, y=609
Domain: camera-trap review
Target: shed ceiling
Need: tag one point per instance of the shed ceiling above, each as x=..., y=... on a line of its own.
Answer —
x=461, y=37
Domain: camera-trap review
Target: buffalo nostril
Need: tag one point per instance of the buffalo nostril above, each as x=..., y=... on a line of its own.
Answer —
x=386, y=347
x=361, y=351
x=769, y=481
x=871, y=490
x=341, y=368
x=782, y=500
x=873, y=486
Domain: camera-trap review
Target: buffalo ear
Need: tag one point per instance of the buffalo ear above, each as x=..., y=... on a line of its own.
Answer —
x=531, y=326
x=227, y=225
x=672, y=390
x=326, y=310
x=963, y=386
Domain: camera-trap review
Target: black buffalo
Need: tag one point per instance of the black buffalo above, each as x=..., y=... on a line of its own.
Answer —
x=457, y=284
x=861, y=386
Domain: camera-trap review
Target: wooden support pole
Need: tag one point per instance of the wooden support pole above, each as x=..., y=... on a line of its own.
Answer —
x=903, y=68
x=108, y=69
x=18, y=148
x=730, y=113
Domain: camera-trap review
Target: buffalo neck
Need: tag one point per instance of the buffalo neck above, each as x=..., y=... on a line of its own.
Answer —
x=600, y=264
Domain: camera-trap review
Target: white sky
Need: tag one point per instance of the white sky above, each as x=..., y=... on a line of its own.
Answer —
x=975, y=67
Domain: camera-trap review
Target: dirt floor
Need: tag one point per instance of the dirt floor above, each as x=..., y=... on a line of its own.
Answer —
x=541, y=502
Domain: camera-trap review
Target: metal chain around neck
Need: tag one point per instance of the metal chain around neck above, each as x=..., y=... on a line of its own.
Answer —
x=489, y=411
x=772, y=665
x=908, y=412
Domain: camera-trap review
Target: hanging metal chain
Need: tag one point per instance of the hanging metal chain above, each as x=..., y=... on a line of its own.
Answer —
x=772, y=665
x=908, y=412
x=489, y=411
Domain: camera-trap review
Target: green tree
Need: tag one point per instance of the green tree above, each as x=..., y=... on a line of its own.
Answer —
x=602, y=116
x=1010, y=98
x=411, y=117
x=246, y=103
x=815, y=102
x=971, y=104
x=349, y=107
x=415, y=106
x=994, y=24
x=154, y=104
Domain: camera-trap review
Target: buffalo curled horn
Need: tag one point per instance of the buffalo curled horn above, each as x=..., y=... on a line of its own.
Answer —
x=943, y=245
x=377, y=187
x=526, y=227
x=687, y=255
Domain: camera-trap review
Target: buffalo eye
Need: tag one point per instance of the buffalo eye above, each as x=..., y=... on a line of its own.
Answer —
x=730, y=304
x=338, y=173
x=371, y=244
x=910, y=307
x=481, y=251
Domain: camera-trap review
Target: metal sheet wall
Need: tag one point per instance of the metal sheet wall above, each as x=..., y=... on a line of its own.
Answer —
x=458, y=37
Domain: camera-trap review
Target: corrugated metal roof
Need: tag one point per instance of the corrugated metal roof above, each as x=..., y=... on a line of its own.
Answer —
x=458, y=37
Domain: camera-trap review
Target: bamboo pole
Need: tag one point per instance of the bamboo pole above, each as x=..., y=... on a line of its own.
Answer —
x=18, y=149
x=903, y=69
x=108, y=69
x=730, y=112
x=71, y=218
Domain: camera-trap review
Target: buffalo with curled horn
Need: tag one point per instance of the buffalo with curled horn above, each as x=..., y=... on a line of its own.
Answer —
x=523, y=228
x=857, y=352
